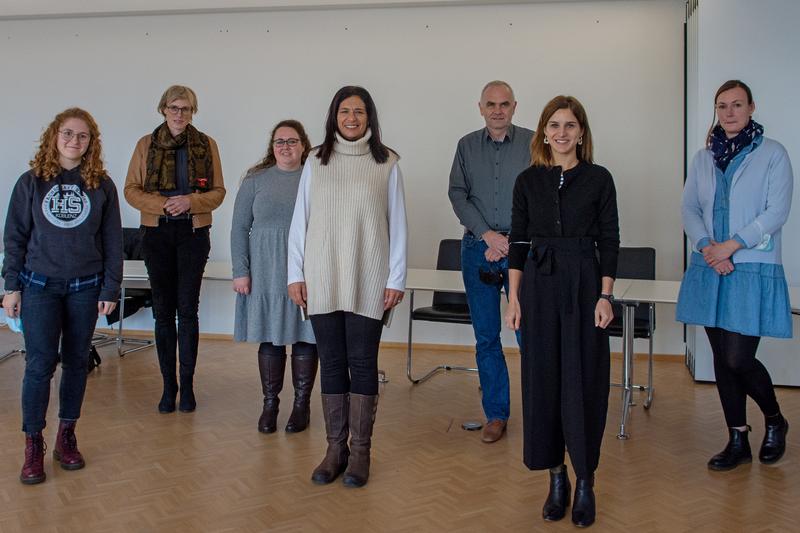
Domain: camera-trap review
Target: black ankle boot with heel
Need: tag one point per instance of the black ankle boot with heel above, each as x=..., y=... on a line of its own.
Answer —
x=583, y=505
x=737, y=451
x=555, y=507
x=774, y=444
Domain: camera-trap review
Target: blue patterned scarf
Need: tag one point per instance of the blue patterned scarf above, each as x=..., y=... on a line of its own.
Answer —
x=725, y=149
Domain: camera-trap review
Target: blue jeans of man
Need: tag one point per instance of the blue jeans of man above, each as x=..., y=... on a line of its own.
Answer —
x=53, y=314
x=484, y=308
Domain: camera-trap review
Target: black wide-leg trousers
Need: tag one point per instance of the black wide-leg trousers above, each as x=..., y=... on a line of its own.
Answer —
x=565, y=358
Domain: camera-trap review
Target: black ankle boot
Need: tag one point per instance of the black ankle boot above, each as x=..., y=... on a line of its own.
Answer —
x=583, y=509
x=774, y=443
x=167, y=403
x=737, y=451
x=555, y=507
x=187, y=403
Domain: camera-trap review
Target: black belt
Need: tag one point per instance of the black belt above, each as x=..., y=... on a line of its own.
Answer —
x=542, y=250
x=170, y=218
x=503, y=233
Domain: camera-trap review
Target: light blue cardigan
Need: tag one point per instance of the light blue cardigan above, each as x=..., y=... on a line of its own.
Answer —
x=760, y=199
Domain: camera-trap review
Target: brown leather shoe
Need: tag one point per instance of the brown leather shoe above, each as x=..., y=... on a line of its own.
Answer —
x=493, y=430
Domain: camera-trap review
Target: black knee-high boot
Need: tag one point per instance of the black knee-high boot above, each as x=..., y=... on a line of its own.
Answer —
x=271, y=366
x=304, y=372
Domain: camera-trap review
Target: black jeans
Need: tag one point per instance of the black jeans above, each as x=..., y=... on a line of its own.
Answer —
x=347, y=344
x=51, y=315
x=175, y=255
x=739, y=375
x=279, y=350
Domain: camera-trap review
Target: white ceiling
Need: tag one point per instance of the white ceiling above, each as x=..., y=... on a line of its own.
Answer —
x=22, y=9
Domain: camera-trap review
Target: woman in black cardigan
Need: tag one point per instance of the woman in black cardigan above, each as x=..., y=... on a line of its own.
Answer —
x=564, y=216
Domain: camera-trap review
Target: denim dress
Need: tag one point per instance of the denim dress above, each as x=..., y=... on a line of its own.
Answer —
x=753, y=299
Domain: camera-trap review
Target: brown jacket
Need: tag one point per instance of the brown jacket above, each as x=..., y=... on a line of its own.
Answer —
x=151, y=204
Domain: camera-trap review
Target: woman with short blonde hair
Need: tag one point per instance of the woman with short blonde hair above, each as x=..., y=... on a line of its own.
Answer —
x=175, y=181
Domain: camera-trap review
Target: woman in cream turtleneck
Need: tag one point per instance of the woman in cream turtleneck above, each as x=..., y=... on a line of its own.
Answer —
x=347, y=267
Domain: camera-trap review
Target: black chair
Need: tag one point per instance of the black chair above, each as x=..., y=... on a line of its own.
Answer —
x=446, y=307
x=638, y=263
x=131, y=299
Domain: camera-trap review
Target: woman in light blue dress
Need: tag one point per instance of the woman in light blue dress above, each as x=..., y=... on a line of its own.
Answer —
x=736, y=199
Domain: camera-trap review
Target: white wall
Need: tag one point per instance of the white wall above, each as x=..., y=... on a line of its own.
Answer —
x=758, y=43
x=424, y=66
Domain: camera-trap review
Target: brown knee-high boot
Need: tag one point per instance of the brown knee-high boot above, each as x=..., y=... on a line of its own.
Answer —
x=362, y=419
x=271, y=368
x=304, y=372
x=335, y=409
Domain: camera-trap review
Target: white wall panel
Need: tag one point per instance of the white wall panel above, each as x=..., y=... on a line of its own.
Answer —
x=424, y=66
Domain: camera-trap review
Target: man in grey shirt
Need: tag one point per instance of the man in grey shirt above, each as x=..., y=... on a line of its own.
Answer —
x=482, y=179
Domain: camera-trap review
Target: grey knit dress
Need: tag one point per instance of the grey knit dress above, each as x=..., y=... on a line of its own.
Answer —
x=262, y=215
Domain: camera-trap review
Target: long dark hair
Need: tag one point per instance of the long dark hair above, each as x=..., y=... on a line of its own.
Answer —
x=269, y=158
x=380, y=152
x=727, y=86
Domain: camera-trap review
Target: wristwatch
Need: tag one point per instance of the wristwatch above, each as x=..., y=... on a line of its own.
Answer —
x=609, y=297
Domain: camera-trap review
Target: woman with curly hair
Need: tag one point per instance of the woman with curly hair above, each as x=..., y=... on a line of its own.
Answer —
x=264, y=313
x=175, y=181
x=63, y=266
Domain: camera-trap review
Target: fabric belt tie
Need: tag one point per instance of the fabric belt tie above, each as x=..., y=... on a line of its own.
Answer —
x=542, y=256
x=545, y=254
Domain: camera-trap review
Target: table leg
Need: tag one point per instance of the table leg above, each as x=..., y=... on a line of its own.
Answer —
x=627, y=357
x=121, y=314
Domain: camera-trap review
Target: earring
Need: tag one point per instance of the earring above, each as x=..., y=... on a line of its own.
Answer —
x=546, y=141
x=580, y=140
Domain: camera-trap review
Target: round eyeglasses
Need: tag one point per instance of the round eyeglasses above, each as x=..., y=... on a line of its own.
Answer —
x=67, y=135
x=284, y=142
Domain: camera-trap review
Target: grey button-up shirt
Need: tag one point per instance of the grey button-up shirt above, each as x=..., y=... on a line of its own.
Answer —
x=483, y=176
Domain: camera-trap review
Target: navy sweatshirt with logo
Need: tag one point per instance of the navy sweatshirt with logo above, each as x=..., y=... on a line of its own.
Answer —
x=61, y=229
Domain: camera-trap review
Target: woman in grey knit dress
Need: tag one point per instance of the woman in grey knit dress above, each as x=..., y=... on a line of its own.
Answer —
x=262, y=215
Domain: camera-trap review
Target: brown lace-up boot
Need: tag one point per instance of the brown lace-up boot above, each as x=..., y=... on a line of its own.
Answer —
x=66, y=450
x=33, y=469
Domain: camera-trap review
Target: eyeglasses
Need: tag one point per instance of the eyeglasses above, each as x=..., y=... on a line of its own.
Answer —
x=67, y=135
x=283, y=142
x=175, y=110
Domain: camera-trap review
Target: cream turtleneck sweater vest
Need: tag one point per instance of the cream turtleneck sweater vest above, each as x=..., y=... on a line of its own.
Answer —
x=347, y=240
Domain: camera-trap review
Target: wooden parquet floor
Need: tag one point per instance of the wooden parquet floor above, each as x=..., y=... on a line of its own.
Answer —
x=212, y=471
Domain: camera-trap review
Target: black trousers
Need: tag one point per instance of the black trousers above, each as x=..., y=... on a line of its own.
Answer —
x=739, y=375
x=347, y=344
x=175, y=255
x=565, y=358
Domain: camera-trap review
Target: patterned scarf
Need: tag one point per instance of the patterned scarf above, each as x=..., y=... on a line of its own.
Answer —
x=725, y=149
x=161, y=160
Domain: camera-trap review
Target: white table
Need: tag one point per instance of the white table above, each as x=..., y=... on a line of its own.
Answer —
x=636, y=292
x=420, y=279
x=134, y=275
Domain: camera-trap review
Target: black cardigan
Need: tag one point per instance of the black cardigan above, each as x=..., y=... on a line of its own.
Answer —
x=585, y=206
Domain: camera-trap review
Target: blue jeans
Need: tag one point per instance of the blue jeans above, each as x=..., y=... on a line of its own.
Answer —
x=484, y=308
x=51, y=314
